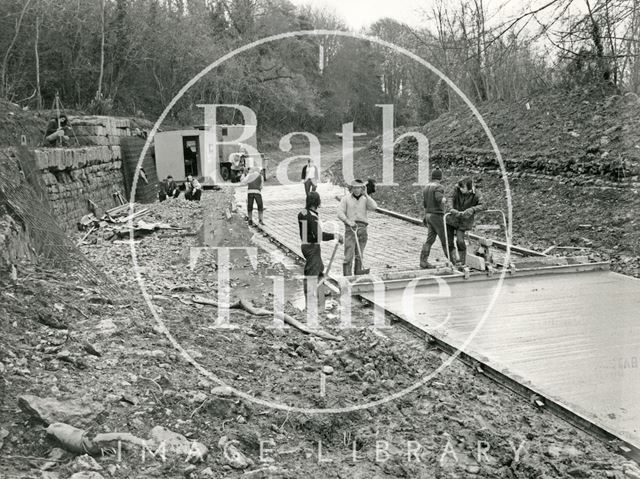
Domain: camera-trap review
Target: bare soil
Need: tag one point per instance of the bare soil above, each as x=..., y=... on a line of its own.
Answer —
x=143, y=381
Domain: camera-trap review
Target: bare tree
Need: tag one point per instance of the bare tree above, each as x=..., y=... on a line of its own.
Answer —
x=102, y=15
x=4, y=86
x=37, y=60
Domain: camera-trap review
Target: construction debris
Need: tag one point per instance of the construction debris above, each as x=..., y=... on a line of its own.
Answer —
x=119, y=222
x=248, y=307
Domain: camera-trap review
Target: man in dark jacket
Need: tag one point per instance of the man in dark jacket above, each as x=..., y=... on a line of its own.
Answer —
x=254, y=180
x=466, y=203
x=168, y=187
x=311, y=235
x=433, y=201
x=57, y=131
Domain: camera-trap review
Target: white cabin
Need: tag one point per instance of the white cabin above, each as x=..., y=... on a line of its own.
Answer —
x=180, y=153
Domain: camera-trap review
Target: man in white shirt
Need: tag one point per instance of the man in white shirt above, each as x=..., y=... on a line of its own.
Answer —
x=310, y=177
x=352, y=211
x=193, y=189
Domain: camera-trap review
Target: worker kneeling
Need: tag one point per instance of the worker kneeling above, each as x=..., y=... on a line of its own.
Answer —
x=311, y=235
x=193, y=189
x=352, y=211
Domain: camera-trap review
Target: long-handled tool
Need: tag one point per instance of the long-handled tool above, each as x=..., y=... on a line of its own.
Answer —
x=328, y=268
x=320, y=290
x=363, y=270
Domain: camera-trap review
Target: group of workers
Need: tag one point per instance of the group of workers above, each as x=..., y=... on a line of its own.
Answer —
x=465, y=203
x=352, y=211
x=170, y=189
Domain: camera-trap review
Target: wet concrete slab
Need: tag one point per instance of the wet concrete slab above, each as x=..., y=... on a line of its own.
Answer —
x=572, y=338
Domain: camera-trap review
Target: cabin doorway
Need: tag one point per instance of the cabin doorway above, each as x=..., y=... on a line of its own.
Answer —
x=191, y=149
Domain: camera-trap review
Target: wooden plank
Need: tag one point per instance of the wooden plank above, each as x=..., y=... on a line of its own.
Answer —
x=427, y=278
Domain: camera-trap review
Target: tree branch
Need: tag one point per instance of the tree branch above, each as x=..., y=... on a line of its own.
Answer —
x=5, y=61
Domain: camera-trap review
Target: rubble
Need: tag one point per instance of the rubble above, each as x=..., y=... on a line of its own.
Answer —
x=76, y=412
x=178, y=445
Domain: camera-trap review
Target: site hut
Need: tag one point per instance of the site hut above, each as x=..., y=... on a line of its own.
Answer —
x=180, y=153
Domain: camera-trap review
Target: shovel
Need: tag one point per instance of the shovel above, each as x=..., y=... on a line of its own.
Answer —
x=326, y=271
x=320, y=290
x=363, y=270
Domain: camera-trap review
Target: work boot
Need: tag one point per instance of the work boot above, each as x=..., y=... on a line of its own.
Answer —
x=357, y=269
x=346, y=269
x=424, y=256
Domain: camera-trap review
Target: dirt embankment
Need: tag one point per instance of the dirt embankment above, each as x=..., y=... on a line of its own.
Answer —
x=60, y=339
x=582, y=135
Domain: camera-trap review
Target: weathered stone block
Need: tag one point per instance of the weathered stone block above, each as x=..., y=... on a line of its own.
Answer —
x=89, y=130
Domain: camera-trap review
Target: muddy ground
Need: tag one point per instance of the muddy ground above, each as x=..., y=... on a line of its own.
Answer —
x=62, y=339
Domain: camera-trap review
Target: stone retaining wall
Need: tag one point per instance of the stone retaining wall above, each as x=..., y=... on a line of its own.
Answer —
x=73, y=176
x=102, y=130
x=91, y=169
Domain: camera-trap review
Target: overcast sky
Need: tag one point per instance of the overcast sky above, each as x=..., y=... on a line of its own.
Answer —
x=360, y=13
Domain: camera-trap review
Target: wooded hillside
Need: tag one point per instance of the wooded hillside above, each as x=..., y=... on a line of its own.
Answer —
x=132, y=56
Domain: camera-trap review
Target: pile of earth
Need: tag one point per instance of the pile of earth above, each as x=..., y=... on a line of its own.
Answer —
x=557, y=131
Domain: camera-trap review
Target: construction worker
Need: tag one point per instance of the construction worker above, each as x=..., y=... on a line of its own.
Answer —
x=254, y=180
x=371, y=186
x=57, y=130
x=466, y=202
x=238, y=164
x=311, y=235
x=169, y=188
x=434, y=202
x=310, y=177
x=193, y=189
x=352, y=211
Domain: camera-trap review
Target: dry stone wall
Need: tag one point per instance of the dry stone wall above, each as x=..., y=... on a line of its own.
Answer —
x=89, y=170
x=75, y=176
x=105, y=130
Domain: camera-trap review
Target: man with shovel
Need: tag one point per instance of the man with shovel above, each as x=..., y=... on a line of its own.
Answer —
x=311, y=235
x=352, y=211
